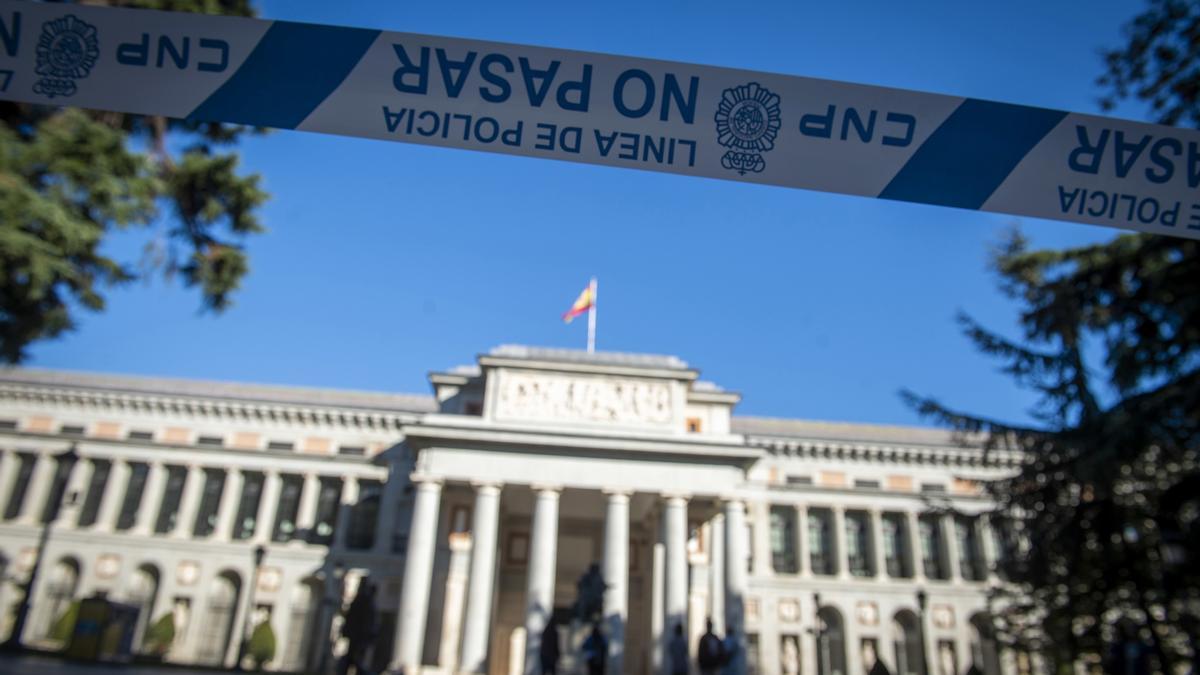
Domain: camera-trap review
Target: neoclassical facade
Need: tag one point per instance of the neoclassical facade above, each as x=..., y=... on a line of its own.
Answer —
x=477, y=510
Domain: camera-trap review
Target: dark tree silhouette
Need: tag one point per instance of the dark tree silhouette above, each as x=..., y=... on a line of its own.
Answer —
x=70, y=178
x=1101, y=523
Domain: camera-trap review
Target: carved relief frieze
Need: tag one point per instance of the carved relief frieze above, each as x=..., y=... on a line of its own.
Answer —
x=562, y=398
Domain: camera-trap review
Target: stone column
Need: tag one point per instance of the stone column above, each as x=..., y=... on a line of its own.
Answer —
x=543, y=550
x=675, y=538
x=477, y=622
x=658, y=564
x=231, y=497
x=8, y=476
x=716, y=577
x=41, y=481
x=950, y=537
x=152, y=496
x=418, y=572
x=389, y=506
x=987, y=541
x=761, y=531
x=803, y=545
x=457, y=577
x=913, y=544
x=877, y=545
x=736, y=576
x=839, y=543
x=189, y=502
x=264, y=521
x=346, y=504
x=306, y=515
x=114, y=494
x=616, y=575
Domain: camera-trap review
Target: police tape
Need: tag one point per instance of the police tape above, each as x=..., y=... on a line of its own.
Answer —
x=609, y=110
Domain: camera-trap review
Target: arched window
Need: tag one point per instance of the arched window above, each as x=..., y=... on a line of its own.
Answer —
x=60, y=592
x=142, y=593
x=985, y=654
x=831, y=644
x=909, y=643
x=216, y=628
x=302, y=640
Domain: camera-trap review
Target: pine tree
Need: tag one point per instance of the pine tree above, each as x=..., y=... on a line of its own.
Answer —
x=1101, y=523
x=70, y=178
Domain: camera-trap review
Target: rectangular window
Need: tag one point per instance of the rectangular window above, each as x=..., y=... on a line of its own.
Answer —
x=8, y=424
x=215, y=441
x=783, y=540
x=365, y=515
x=931, y=547
x=168, y=510
x=54, y=500
x=247, y=513
x=141, y=435
x=71, y=430
x=20, y=486
x=694, y=425
x=133, y=495
x=352, y=450
x=858, y=547
x=95, y=492
x=799, y=480
x=328, y=501
x=894, y=531
x=281, y=445
x=752, y=654
x=970, y=560
x=210, y=503
x=820, y=541
x=865, y=484
x=289, y=505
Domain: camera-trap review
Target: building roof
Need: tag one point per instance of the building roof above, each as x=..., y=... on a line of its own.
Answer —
x=627, y=359
x=846, y=432
x=158, y=386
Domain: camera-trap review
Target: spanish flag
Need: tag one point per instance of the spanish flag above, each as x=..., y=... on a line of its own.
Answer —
x=585, y=301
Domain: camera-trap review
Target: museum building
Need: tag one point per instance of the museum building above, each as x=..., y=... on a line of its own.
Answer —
x=215, y=508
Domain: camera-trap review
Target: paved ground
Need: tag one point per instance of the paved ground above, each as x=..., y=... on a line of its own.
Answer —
x=46, y=665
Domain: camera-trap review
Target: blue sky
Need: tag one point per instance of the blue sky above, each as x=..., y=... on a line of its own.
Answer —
x=384, y=261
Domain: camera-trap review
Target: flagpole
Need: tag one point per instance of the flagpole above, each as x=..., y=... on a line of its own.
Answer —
x=592, y=320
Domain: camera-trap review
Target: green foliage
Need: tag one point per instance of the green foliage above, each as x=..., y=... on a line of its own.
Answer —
x=1101, y=521
x=69, y=178
x=160, y=635
x=64, y=625
x=262, y=644
x=1160, y=62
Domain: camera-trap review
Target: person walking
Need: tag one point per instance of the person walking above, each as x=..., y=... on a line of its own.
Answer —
x=710, y=652
x=549, y=649
x=360, y=628
x=595, y=651
x=677, y=649
x=731, y=654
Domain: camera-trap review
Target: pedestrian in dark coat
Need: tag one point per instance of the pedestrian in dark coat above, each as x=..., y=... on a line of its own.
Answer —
x=550, y=649
x=360, y=627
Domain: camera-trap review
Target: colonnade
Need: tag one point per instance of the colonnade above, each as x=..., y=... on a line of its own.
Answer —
x=669, y=580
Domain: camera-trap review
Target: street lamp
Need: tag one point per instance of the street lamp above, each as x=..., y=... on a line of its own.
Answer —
x=260, y=552
x=822, y=656
x=922, y=600
x=332, y=605
x=66, y=458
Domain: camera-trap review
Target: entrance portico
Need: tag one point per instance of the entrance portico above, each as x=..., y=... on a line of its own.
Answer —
x=633, y=471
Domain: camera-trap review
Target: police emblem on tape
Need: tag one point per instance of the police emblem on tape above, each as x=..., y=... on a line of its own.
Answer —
x=747, y=123
x=66, y=51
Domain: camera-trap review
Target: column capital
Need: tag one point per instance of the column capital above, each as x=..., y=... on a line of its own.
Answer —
x=487, y=486
x=676, y=497
x=424, y=480
x=544, y=488
x=614, y=492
